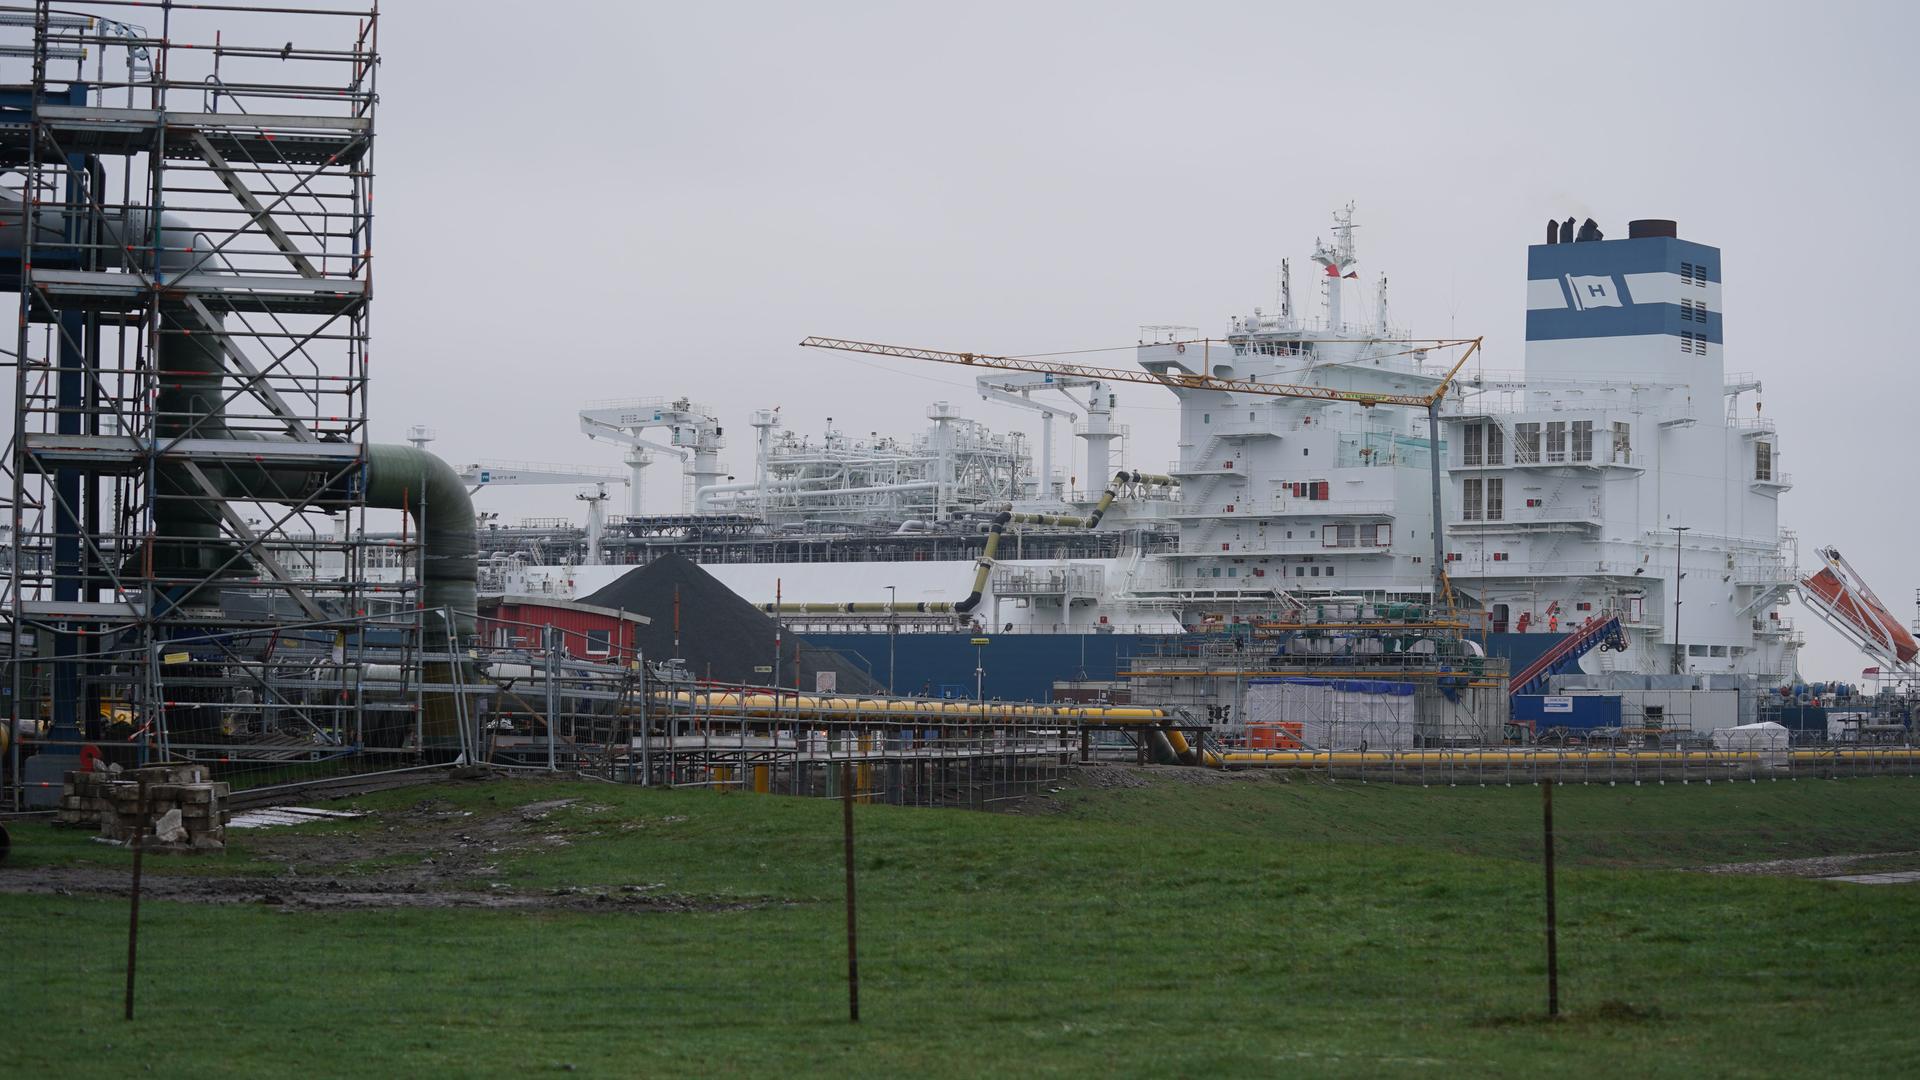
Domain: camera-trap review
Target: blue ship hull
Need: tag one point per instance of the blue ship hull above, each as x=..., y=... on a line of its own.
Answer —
x=1024, y=667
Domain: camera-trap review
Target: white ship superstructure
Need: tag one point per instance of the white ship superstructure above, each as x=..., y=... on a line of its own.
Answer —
x=1290, y=497
x=1570, y=488
x=1625, y=471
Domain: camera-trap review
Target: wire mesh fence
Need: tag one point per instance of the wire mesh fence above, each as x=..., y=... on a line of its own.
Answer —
x=1151, y=918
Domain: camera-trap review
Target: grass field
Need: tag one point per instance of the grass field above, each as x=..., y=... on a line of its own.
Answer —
x=1165, y=925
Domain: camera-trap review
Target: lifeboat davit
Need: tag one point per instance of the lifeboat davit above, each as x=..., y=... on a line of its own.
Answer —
x=1864, y=612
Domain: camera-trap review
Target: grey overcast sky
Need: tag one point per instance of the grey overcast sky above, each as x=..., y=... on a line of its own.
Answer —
x=583, y=201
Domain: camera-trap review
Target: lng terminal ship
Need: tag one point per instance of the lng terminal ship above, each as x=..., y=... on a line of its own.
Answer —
x=1561, y=505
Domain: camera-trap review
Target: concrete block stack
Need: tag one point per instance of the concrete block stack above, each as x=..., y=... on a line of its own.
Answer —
x=183, y=810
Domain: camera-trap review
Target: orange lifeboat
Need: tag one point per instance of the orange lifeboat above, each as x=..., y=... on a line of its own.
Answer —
x=1865, y=613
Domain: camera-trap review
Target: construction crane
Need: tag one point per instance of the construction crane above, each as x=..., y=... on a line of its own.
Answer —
x=1174, y=377
x=529, y=473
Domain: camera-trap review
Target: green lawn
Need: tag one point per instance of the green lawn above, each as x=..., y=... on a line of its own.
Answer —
x=1250, y=927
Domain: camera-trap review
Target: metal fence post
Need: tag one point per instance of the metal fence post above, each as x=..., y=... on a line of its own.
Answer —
x=1553, y=935
x=853, y=952
x=133, y=907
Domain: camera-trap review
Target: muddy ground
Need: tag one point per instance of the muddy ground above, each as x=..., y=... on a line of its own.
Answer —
x=431, y=855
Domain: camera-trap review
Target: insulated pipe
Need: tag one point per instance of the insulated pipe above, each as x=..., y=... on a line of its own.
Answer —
x=817, y=706
x=396, y=477
x=984, y=565
x=190, y=403
x=403, y=477
x=858, y=607
x=1184, y=752
x=792, y=487
x=1106, y=498
x=1051, y=519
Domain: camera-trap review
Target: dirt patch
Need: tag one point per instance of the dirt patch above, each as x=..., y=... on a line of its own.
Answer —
x=1819, y=866
x=433, y=854
x=355, y=894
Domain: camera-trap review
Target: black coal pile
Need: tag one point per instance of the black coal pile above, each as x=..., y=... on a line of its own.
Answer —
x=722, y=637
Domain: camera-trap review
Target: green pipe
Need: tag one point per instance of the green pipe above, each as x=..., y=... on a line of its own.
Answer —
x=397, y=477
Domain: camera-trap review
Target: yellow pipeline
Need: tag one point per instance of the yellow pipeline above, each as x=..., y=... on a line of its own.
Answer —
x=1061, y=520
x=983, y=566
x=1184, y=750
x=733, y=702
x=1106, y=499
x=1319, y=759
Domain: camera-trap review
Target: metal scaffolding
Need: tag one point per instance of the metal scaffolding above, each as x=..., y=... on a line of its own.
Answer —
x=189, y=226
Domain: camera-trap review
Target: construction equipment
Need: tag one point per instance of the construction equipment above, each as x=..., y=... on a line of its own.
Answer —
x=1172, y=376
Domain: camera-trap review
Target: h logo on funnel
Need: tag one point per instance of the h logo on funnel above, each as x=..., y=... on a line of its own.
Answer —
x=1594, y=291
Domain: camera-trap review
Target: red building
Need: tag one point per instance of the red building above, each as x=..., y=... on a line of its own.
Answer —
x=583, y=631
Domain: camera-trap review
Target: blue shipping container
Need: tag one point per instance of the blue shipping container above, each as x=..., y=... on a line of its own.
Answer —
x=1576, y=711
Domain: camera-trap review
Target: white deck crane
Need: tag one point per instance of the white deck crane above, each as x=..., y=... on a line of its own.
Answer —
x=533, y=473
x=693, y=435
x=1173, y=375
x=1018, y=391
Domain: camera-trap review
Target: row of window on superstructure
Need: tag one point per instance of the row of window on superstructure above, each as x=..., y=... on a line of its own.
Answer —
x=1693, y=274
x=1553, y=442
x=1298, y=571
x=1273, y=348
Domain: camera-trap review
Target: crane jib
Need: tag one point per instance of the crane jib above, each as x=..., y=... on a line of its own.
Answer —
x=1187, y=380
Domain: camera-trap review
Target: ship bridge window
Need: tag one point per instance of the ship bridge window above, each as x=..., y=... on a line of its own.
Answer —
x=1583, y=440
x=1556, y=442
x=1482, y=499
x=1526, y=444
x=1622, y=442
x=1763, y=461
x=1485, y=444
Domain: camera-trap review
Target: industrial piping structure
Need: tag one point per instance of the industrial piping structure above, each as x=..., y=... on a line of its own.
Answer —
x=194, y=269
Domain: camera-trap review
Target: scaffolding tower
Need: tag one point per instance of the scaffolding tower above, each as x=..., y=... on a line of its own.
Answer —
x=187, y=218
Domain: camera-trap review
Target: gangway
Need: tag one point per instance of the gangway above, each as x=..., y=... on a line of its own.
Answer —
x=1565, y=653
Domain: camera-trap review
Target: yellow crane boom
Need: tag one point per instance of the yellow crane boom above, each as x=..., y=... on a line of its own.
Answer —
x=1176, y=379
x=1442, y=588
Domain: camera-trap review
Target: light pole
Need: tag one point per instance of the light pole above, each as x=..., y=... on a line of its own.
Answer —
x=979, y=669
x=893, y=627
x=1679, y=650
